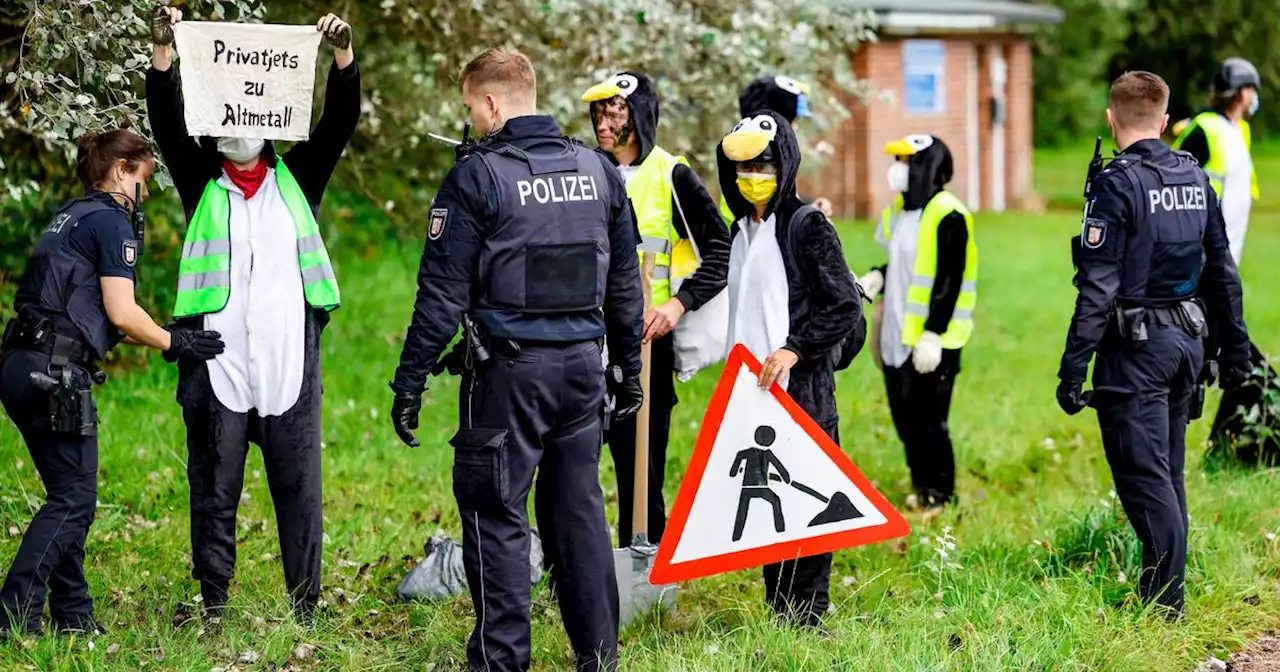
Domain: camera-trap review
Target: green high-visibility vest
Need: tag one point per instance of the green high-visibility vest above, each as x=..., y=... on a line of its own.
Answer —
x=960, y=328
x=1215, y=128
x=204, y=274
x=650, y=191
x=726, y=213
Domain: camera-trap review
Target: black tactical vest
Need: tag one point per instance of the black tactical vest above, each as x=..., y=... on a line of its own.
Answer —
x=1164, y=252
x=63, y=285
x=549, y=252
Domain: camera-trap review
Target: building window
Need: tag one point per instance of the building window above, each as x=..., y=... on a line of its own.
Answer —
x=924, y=76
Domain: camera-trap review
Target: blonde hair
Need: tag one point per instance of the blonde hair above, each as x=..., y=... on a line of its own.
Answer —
x=1138, y=99
x=500, y=71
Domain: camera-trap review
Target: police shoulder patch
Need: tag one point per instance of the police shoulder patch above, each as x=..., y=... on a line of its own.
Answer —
x=129, y=252
x=1094, y=233
x=439, y=217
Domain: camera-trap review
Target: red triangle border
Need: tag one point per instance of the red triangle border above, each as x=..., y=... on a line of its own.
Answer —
x=664, y=571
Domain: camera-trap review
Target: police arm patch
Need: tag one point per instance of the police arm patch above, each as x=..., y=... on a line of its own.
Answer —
x=1095, y=233
x=439, y=217
x=129, y=252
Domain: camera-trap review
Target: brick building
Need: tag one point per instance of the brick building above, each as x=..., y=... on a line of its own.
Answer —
x=957, y=69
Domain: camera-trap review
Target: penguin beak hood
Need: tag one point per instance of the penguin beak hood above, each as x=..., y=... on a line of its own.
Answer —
x=930, y=163
x=750, y=138
x=908, y=146
x=602, y=91
x=764, y=136
x=777, y=93
x=641, y=98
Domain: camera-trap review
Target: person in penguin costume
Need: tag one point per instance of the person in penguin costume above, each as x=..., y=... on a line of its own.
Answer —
x=926, y=317
x=671, y=204
x=256, y=269
x=786, y=96
x=793, y=302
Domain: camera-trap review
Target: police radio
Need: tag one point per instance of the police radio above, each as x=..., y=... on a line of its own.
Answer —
x=139, y=224
x=1095, y=165
x=467, y=145
x=460, y=148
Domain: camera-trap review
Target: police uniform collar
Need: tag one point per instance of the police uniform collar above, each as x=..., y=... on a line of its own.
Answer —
x=102, y=197
x=1147, y=148
x=530, y=126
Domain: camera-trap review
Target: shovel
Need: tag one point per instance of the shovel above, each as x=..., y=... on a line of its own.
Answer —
x=632, y=564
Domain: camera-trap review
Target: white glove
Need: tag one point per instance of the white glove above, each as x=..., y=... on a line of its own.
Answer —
x=871, y=284
x=927, y=354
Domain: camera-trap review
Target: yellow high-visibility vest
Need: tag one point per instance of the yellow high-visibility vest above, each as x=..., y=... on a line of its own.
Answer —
x=1215, y=128
x=925, y=270
x=651, y=191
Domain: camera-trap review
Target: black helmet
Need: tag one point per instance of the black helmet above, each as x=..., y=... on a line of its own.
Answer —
x=1235, y=73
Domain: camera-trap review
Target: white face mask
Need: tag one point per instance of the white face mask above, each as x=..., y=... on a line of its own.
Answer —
x=899, y=177
x=240, y=150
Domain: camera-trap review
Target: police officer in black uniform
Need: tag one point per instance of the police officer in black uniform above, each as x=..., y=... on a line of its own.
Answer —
x=1151, y=260
x=533, y=235
x=74, y=303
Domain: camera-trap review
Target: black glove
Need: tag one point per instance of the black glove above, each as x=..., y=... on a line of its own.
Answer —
x=339, y=34
x=1233, y=377
x=404, y=416
x=1071, y=397
x=628, y=396
x=194, y=344
x=1209, y=374
x=161, y=27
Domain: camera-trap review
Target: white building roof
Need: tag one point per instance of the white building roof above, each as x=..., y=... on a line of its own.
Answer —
x=959, y=15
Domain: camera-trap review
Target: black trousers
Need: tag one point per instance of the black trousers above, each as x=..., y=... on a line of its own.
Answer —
x=622, y=445
x=800, y=589
x=50, y=560
x=1142, y=397
x=217, y=446
x=920, y=404
x=540, y=411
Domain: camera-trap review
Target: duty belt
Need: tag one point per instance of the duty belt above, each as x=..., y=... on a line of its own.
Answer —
x=24, y=334
x=1187, y=315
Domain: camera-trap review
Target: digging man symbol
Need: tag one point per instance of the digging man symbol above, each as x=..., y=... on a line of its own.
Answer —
x=754, y=464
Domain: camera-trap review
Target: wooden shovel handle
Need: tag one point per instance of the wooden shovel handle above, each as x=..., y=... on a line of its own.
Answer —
x=640, y=500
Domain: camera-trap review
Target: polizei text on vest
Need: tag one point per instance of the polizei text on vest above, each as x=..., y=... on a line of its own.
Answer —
x=1189, y=197
x=565, y=188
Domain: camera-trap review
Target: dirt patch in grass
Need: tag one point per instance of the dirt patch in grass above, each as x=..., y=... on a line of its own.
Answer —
x=1260, y=656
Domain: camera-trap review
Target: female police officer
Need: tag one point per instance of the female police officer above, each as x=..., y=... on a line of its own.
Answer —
x=74, y=303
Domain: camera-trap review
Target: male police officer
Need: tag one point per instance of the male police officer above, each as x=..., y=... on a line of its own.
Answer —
x=533, y=235
x=1152, y=255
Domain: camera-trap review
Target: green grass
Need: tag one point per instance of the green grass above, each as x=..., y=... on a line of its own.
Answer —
x=1059, y=174
x=1040, y=544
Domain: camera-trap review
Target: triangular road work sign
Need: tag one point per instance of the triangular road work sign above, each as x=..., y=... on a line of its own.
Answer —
x=765, y=484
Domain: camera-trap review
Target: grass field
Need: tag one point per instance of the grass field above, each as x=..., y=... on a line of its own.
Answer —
x=1041, y=549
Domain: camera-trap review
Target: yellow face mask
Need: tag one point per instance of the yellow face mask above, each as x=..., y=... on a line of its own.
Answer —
x=757, y=188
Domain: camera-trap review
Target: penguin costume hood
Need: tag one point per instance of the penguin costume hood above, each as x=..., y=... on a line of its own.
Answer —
x=824, y=305
x=765, y=137
x=778, y=93
x=642, y=100
x=929, y=164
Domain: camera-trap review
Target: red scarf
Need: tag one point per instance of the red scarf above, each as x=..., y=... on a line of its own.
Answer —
x=250, y=180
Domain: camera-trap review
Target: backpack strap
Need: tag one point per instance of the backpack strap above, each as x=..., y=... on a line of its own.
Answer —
x=793, y=239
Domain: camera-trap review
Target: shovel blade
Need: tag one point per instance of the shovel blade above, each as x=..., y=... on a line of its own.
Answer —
x=636, y=596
